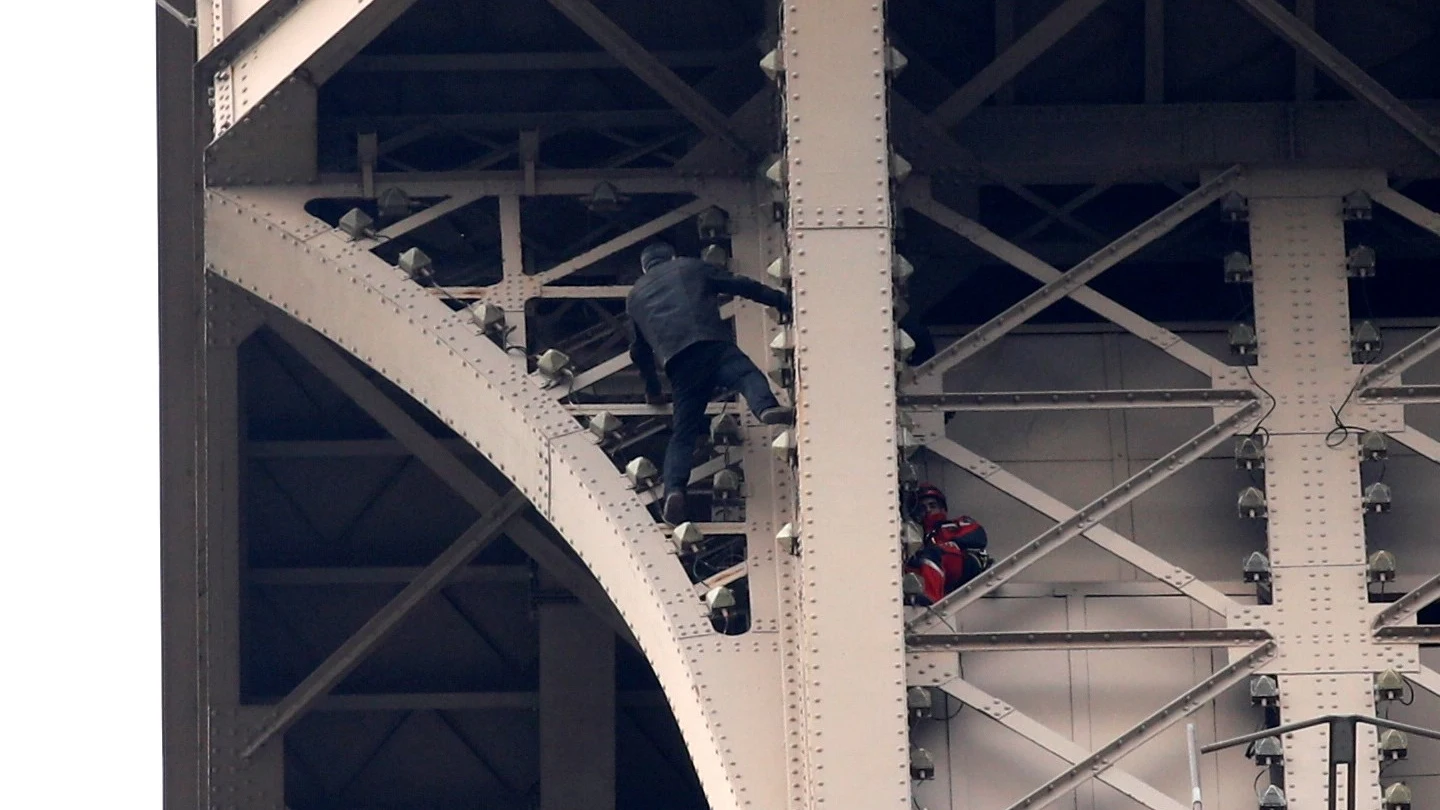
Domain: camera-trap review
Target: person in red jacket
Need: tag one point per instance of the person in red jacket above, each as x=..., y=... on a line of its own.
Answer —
x=954, y=551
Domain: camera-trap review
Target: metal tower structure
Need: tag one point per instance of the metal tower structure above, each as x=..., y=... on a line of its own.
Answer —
x=1176, y=262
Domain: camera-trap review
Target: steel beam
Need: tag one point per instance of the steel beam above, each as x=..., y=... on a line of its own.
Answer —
x=271, y=84
x=375, y=575
x=1099, y=534
x=1428, y=679
x=1407, y=605
x=624, y=240
x=538, y=60
x=550, y=122
x=1107, y=257
x=1342, y=70
x=554, y=291
x=513, y=280
x=1157, y=336
x=429, y=215
x=1084, y=640
x=734, y=573
x=651, y=70
x=242, y=38
x=1409, y=634
x=340, y=448
x=849, y=748
x=1069, y=208
x=594, y=375
x=1181, y=707
x=1057, y=744
x=1075, y=400
x=446, y=466
x=1014, y=59
x=1403, y=395
x=637, y=409
x=579, y=291
x=1421, y=443
x=577, y=709
x=364, y=641
x=522, y=701
x=1091, y=514
x=183, y=437
x=548, y=183
x=1082, y=144
x=1409, y=209
x=1394, y=365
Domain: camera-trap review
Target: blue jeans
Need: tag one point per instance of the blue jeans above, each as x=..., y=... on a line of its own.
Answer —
x=696, y=374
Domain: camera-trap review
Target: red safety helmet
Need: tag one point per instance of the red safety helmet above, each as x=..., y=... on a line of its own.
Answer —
x=931, y=491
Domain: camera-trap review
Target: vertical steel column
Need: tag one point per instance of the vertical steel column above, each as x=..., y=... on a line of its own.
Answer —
x=182, y=296
x=752, y=694
x=851, y=651
x=234, y=781
x=756, y=241
x=577, y=709
x=512, y=298
x=1316, y=527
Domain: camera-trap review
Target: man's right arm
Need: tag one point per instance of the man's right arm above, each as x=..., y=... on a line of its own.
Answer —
x=731, y=284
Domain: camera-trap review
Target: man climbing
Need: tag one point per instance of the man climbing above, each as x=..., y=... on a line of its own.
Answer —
x=675, y=319
x=954, y=550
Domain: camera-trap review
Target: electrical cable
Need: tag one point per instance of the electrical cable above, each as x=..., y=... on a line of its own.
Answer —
x=1259, y=431
x=1337, y=435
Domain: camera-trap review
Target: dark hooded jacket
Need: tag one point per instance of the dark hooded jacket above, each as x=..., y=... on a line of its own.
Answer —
x=674, y=305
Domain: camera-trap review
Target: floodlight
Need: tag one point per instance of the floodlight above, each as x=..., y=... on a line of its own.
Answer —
x=1360, y=262
x=1382, y=566
x=1256, y=568
x=416, y=264
x=1377, y=497
x=392, y=203
x=641, y=472
x=1264, y=690
x=1357, y=205
x=357, y=224
x=604, y=424
x=713, y=224
x=1389, y=685
x=1238, y=269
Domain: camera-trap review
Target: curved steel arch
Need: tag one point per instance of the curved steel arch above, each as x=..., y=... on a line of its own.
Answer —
x=724, y=691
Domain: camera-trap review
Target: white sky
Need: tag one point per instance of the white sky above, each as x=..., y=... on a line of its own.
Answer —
x=79, y=490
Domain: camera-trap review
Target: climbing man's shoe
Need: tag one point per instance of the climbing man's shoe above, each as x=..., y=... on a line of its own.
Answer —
x=673, y=512
x=778, y=415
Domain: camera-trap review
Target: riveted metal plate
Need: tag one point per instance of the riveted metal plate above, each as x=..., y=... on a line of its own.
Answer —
x=236, y=783
x=1307, y=756
x=744, y=706
x=837, y=151
x=931, y=669
x=1313, y=492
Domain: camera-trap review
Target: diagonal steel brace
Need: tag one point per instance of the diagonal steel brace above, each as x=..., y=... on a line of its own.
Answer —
x=1102, y=536
x=1187, y=703
x=1057, y=744
x=1107, y=257
x=1088, y=515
